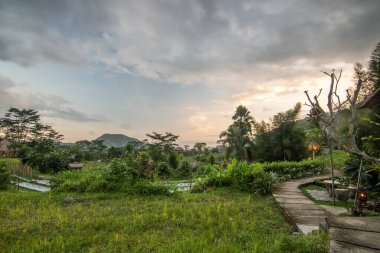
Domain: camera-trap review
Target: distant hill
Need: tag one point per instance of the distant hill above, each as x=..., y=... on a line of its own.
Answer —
x=116, y=140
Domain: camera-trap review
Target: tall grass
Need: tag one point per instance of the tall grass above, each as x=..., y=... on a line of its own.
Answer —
x=217, y=221
x=339, y=158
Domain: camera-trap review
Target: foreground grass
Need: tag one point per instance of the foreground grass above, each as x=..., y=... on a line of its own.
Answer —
x=217, y=221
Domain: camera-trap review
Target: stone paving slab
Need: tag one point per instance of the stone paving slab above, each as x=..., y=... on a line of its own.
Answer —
x=308, y=220
x=354, y=234
x=294, y=200
x=299, y=206
x=339, y=247
x=371, y=224
x=335, y=210
x=361, y=238
x=294, y=196
x=300, y=210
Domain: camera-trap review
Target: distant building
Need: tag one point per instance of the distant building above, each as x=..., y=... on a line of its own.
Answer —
x=75, y=166
x=4, y=150
x=372, y=101
x=178, y=149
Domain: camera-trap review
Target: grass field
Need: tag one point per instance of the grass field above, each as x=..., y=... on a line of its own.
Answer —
x=217, y=221
x=339, y=157
x=9, y=160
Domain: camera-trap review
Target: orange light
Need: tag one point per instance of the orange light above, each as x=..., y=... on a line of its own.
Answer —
x=316, y=146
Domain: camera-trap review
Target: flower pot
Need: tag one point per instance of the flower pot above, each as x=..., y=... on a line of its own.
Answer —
x=342, y=194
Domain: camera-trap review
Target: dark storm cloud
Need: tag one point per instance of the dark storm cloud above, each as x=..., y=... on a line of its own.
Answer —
x=12, y=95
x=188, y=41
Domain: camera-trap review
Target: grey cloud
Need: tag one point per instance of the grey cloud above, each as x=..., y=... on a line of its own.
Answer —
x=189, y=41
x=126, y=126
x=48, y=105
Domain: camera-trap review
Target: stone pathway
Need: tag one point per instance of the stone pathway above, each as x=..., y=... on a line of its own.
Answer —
x=354, y=234
x=300, y=210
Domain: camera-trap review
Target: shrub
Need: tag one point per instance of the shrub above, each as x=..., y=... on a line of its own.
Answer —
x=293, y=170
x=144, y=187
x=145, y=165
x=173, y=160
x=184, y=169
x=118, y=176
x=313, y=243
x=255, y=177
x=4, y=176
x=251, y=177
x=207, y=169
x=211, y=159
x=163, y=170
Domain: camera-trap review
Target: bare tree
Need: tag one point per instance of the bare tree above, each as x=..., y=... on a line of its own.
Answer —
x=334, y=105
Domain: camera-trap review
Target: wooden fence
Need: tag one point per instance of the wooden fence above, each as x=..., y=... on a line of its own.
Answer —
x=18, y=168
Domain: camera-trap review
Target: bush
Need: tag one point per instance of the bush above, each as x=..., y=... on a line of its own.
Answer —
x=313, y=243
x=144, y=187
x=255, y=177
x=293, y=170
x=207, y=169
x=211, y=159
x=173, y=160
x=184, y=169
x=4, y=176
x=163, y=170
x=118, y=176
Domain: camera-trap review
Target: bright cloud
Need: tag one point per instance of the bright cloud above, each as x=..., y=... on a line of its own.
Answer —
x=262, y=54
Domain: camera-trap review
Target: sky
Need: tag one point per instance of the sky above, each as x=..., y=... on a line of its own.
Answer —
x=133, y=67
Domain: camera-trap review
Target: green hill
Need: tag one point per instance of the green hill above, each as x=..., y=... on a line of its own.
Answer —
x=116, y=140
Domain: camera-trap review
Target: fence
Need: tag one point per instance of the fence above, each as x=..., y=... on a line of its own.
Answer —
x=18, y=168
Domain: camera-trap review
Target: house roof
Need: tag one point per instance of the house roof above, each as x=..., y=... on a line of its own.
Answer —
x=372, y=101
x=75, y=165
x=4, y=144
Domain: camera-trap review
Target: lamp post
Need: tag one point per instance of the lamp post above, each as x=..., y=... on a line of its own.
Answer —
x=314, y=147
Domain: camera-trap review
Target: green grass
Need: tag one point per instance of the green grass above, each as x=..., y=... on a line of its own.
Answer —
x=91, y=165
x=217, y=221
x=320, y=202
x=339, y=157
x=9, y=160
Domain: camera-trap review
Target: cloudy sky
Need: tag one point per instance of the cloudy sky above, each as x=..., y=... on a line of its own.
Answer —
x=133, y=67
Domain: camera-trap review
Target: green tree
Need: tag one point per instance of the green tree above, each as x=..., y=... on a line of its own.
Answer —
x=20, y=126
x=285, y=141
x=161, y=145
x=115, y=152
x=200, y=147
x=374, y=67
x=89, y=150
x=238, y=134
x=44, y=155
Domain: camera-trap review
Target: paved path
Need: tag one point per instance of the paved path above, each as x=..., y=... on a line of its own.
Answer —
x=300, y=210
x=354, y=234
